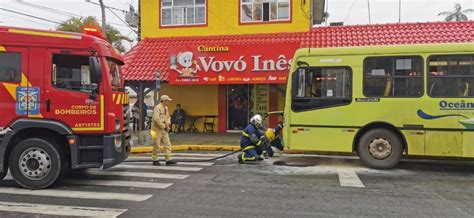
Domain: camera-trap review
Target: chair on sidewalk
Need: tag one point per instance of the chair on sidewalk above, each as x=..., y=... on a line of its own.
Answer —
x=209, y=123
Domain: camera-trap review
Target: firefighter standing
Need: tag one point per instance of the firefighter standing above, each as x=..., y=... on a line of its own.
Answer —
x=160, y=127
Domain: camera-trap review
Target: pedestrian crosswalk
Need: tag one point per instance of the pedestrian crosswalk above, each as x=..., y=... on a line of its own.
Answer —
x=119, y=184
x=59, y=210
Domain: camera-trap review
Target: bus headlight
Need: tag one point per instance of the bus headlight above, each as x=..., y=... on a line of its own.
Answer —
x=117, y=125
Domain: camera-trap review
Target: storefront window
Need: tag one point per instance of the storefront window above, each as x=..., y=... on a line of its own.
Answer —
x=183, y=12
x=264, y=10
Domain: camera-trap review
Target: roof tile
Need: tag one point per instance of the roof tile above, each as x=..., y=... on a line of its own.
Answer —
x=151, y=54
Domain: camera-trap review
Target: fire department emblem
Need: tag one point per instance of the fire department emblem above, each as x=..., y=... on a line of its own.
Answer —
x=27, y=100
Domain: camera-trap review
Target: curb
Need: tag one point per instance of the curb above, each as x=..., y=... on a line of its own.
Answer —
x=149, y=149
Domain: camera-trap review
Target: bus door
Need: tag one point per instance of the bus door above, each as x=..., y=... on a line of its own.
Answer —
x=73, y=96
x=320, y=104
x=15, y=99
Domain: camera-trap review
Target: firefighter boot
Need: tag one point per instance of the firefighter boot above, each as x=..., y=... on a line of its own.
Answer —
x=170, y=162
x=241, y=160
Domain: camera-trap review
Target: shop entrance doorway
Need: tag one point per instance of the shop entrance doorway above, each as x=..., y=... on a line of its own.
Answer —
x=243, y=101
x=239, y=104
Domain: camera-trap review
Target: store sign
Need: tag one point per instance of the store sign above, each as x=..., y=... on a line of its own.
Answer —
x=233, y=64
x=261, y=101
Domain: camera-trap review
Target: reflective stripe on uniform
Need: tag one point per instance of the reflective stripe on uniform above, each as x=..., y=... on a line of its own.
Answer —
x=259, y=143
x=248, y=159
x=246, y=134
x=248, y=148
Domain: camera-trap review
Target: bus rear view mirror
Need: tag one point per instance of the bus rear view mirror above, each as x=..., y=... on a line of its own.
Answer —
x=95, y=70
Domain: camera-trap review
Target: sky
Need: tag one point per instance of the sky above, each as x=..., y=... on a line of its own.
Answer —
x=387, y=11
x=351, y=12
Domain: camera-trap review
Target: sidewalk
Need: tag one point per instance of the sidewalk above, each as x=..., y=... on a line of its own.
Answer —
x=196, y=142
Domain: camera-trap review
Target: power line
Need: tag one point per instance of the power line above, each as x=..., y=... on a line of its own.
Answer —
x=350, y=10
x=95, y=3
x=39, y=18
x=64, y=13
x=122, y=20
x=25, y=19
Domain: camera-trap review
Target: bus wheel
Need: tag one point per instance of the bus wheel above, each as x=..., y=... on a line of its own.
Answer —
x=35, y=163
x=380, y=148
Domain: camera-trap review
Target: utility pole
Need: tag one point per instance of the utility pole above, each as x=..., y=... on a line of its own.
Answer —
x=368, y=8
x=139, y=34
x=102, y=8
x=399, y=11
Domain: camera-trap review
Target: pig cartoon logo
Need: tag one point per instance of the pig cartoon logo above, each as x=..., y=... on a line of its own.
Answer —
x=187, y=66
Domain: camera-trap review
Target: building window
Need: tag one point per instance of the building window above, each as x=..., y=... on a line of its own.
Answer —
x=451, y=76
x=71, y=72
x=393, y=77
x=10, y=67
x=264, y=10
x=183, y=12
x=321, y=87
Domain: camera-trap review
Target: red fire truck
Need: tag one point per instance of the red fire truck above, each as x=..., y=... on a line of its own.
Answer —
x=62, y=105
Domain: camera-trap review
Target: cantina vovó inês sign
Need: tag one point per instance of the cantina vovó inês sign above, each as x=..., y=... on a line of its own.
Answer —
x=232, y=64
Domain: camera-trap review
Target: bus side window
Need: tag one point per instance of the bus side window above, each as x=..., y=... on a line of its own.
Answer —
x=319, y=87
x=393, y=77
x=10, y=67
x=451, y=76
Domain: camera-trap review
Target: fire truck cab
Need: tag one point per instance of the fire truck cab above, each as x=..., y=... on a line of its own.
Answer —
x=62, y=105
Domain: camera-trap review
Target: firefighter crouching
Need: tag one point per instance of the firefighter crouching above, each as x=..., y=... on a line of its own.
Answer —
x=273, y=140
x=161, y=122
x=253, y=142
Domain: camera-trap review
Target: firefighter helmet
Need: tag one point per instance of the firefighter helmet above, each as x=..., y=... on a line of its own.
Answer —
x=270, y=134
x=257, y=120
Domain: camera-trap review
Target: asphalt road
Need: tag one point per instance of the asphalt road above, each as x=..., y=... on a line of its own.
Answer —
x=287, y=186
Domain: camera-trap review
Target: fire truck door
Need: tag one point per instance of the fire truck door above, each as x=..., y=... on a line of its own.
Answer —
x=72, y=96
x=14, y=86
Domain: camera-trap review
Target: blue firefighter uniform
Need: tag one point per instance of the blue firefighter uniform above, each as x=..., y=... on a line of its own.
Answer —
x=250, y=143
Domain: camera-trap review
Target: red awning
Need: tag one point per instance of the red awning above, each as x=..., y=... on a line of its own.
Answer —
x=152, y=54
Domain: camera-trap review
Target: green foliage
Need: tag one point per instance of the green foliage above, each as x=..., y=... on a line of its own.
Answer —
x=112, y=34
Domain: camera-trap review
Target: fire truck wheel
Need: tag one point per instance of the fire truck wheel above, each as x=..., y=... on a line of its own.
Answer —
x=35, y=163
x=380, y=149
x=2, y=175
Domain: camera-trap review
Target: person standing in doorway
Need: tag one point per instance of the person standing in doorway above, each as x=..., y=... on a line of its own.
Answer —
x=136, y=116
x=161, y=122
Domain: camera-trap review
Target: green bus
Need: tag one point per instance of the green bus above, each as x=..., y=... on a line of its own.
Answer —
x=382, y=102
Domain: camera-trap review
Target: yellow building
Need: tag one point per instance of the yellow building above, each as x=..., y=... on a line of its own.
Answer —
x=221, y=59
x=189, y=18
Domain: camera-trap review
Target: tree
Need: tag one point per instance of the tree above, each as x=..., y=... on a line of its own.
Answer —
x=113, y=35
x=457, y=14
